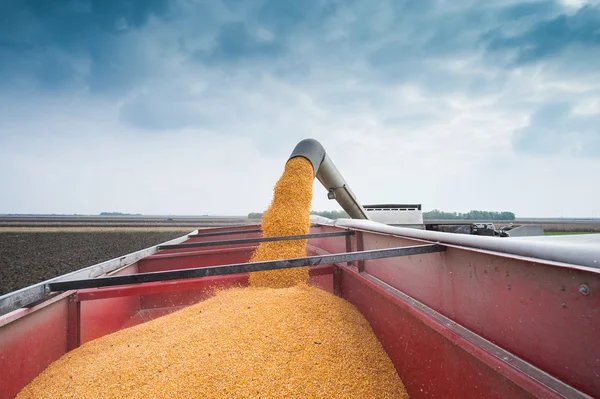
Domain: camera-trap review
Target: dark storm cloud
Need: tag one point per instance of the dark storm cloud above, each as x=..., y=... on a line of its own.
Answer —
x=46, y=43
x=549, y=36
x=280, y=20
x=71, y=24
x=283, y=16
x=61, y=43
x=114, y=47
x=537, y=9
x=236, y=43
x=555, y=128
x=422, y=42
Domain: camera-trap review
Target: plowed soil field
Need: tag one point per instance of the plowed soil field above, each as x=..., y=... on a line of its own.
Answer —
x=30, y=257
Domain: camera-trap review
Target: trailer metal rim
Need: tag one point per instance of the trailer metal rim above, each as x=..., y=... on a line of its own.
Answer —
x=583, y=252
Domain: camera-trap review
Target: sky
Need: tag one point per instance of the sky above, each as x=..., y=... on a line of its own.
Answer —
x=193, y=107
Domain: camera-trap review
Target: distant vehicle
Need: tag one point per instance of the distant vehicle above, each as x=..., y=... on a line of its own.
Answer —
x=410, y=215
x=405, y=215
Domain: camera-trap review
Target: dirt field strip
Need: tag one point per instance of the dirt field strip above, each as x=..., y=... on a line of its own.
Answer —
x=42, y=229
x=30, y=257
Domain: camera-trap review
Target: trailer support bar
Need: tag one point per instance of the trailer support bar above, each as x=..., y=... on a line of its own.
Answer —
x=224, y=233
x=227, y=233
x=244, y=267
x=254, y=240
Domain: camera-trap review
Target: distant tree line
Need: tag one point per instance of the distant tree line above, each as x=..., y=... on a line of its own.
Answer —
x=119, y=214
x=327, y=214
x=331, y=214
x=434, y=214
x=473, y=215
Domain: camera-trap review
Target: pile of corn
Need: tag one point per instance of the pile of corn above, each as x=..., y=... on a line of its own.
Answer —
x=257, y=342
x=297, y=342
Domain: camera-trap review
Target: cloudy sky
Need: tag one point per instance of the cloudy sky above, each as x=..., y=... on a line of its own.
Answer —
x=192, y=107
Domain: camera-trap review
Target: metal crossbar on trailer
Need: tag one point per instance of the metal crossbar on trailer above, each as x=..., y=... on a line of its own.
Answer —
x=253, y=240
x=244, y=267
x=224, y=233
x=229, y=233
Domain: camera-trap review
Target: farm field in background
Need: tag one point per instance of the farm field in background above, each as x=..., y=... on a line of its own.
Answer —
x=153, y=222
x=34, y=249
x=30, y=257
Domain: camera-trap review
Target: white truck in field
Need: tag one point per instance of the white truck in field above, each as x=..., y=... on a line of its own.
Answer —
x=411, y=215
x=405, y=215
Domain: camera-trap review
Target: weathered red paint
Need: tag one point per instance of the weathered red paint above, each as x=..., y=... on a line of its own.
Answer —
x=161, y=287
x=249, y=246
x=193, y=284
x=73, y=322
x=29, y=344
x=105, y=316
x=514, y=303
x=198, y=258
x=335, y=244
x=20, y=313
x=430, y=365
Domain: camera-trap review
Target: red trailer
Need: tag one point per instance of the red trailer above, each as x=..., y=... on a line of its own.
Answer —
x=460, y=316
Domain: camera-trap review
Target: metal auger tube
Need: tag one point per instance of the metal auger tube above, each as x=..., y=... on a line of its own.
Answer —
x=330, y=177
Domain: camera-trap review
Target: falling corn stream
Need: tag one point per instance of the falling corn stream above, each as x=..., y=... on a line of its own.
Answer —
x=278, y=338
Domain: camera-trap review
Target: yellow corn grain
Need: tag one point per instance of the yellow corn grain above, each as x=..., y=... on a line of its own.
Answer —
x=264, y=341
x=288, y=214
x=297, y=342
